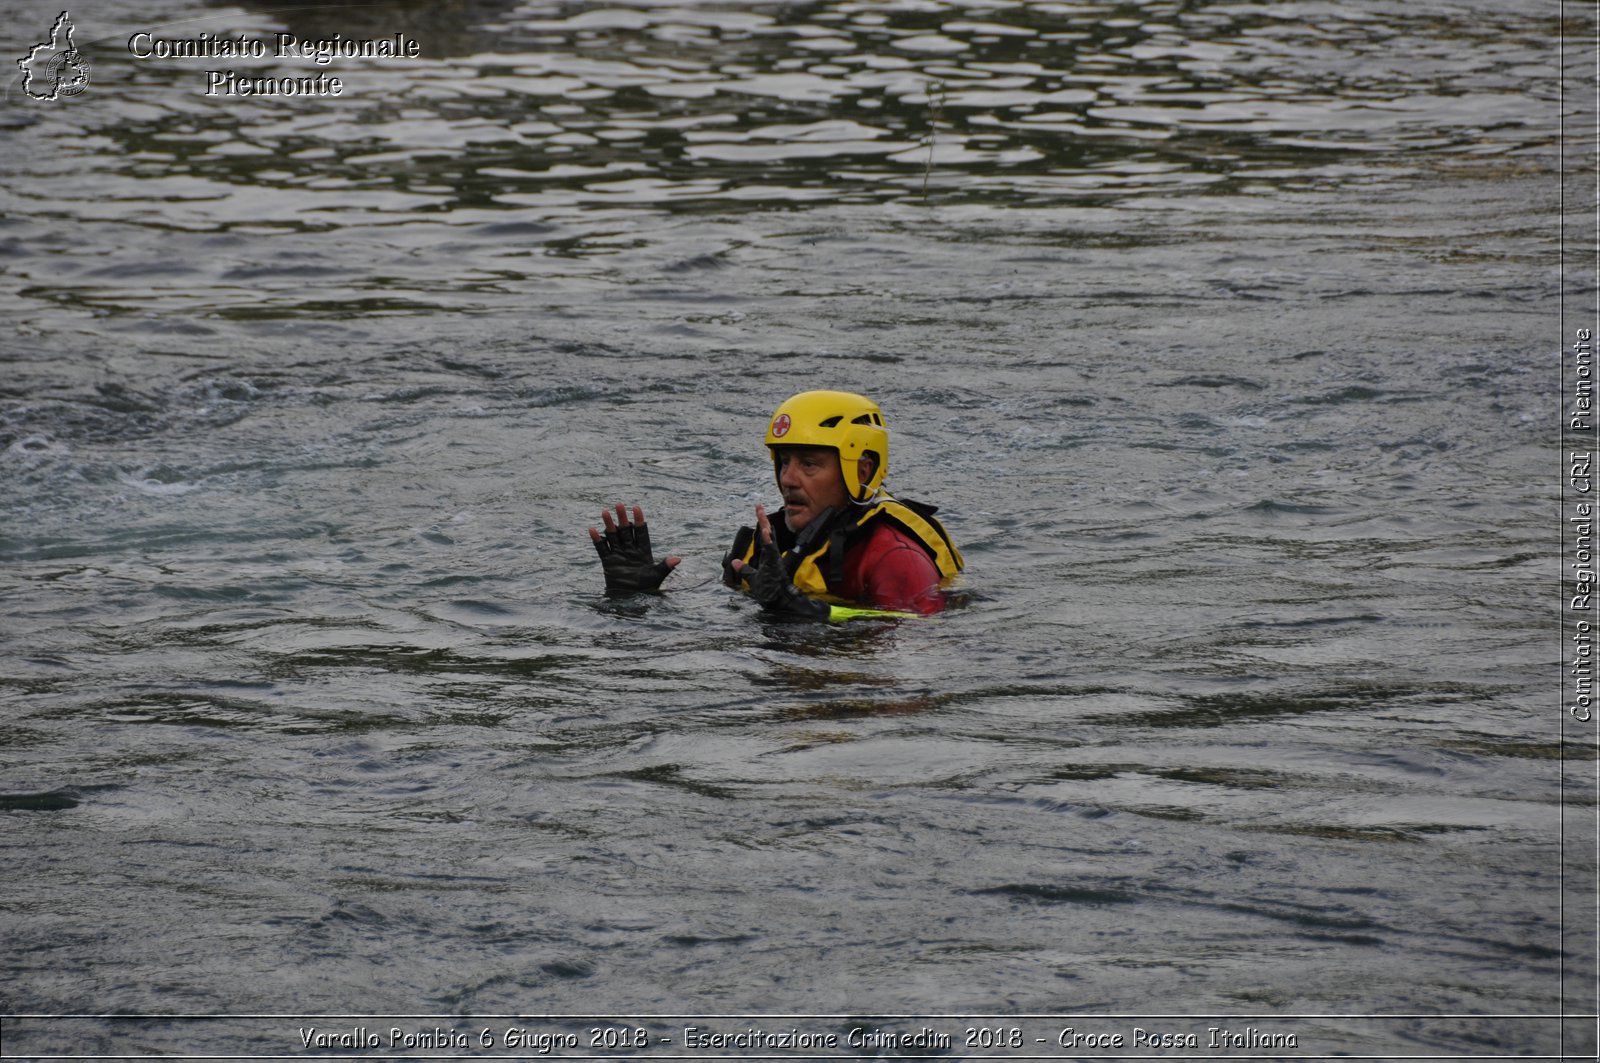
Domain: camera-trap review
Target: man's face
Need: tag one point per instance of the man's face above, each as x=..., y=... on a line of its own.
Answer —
x=810, y=481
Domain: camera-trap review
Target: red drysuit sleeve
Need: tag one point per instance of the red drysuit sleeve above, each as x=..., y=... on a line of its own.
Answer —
x=890, y=571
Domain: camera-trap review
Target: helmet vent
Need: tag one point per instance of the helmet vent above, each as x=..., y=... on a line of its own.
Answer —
x=868, y=418
x=831, y=422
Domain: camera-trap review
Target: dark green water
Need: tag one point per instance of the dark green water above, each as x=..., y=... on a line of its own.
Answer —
x=1225, y=336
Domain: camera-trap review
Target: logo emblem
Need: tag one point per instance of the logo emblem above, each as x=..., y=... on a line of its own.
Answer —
x=55, y=68
x=780, y=425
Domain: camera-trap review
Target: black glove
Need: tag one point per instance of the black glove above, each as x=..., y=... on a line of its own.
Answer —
x=771, y=586
x=626, y=558
x=731, y=577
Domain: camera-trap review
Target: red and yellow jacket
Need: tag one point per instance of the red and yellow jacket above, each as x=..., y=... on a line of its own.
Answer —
x=890, y=554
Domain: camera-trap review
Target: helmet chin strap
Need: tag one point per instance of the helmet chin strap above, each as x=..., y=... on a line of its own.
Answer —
x=881, y=492
x=868, y=492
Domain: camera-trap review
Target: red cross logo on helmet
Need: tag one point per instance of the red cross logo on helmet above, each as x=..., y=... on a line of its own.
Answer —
x=780, y=425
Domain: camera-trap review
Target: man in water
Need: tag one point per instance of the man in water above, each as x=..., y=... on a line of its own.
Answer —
x=842, y=538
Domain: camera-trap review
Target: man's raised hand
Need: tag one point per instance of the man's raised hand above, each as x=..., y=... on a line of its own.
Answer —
x=625, y=554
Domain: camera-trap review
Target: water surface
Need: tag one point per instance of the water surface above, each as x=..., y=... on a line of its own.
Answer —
x=1220, y=332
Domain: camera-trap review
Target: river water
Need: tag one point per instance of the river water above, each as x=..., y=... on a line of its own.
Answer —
x=1223, y=334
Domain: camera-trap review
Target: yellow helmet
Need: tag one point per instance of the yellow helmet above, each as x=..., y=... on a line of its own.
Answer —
x=848, y=423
